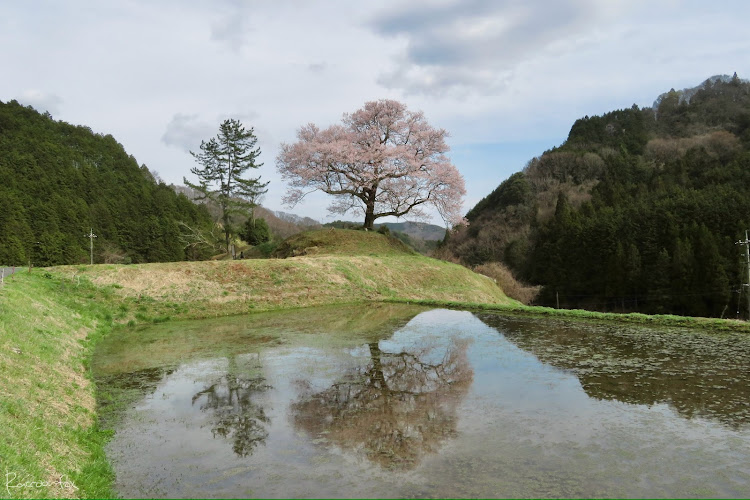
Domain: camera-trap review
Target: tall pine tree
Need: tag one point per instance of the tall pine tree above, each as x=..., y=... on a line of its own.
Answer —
x=224, y=159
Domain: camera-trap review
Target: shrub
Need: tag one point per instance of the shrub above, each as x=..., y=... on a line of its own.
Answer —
x=510, y=285
x=267, y=248
x=255, y=231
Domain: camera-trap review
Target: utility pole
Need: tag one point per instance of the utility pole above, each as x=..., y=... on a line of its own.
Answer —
x=746, y=243
x=91, y=236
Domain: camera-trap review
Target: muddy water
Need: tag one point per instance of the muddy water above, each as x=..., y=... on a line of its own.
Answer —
x=399, y=401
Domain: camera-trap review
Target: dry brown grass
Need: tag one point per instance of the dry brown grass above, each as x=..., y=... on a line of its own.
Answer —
x=511, y=286
x=217, y=288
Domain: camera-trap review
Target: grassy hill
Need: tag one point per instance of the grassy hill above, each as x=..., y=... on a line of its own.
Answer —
x=330, y=267
x=420, y=236
x=341, y=242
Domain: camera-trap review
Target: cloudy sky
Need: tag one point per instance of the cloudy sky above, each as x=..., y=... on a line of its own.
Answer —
x=505, y=78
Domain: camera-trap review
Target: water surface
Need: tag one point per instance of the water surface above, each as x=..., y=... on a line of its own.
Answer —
x=402, y=401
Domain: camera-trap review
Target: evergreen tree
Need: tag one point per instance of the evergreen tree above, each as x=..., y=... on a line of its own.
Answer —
x=224, y=159
x=255, y=231
x=682, y=272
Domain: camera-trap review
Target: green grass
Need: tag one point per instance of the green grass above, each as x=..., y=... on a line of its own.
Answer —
x=48, y=417
x=669, y=320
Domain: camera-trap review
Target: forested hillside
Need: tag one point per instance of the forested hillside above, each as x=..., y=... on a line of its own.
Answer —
x=639, y=209
x=59, y=180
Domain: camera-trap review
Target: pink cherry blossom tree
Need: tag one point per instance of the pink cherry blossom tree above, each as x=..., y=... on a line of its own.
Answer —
x=383, y=160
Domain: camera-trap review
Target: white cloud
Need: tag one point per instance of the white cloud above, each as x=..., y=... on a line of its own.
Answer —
x=317, y=67
x=187, y=131
x=473, y=46
x=232, y=26
x=41, y=101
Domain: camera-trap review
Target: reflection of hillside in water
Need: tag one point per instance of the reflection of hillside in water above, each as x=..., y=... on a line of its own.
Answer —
x=129, y=350
x=119, y=391
x=395, y=409
x=696, y=373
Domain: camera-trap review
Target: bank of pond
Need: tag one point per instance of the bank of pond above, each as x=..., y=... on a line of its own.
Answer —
x=399, y=400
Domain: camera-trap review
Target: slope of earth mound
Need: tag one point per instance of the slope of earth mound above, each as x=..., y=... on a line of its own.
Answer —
x=341, y=242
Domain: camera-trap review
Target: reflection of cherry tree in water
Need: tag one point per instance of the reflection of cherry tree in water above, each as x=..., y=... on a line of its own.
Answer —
x=235, y=415
x=397, y=408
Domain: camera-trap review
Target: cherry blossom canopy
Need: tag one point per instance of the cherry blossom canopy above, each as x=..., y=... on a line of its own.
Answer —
x=383, y=160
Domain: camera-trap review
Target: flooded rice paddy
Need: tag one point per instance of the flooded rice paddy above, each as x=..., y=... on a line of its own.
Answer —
x=403, y=401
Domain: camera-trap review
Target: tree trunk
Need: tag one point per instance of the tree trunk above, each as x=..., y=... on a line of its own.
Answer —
x=225, y=219
x=370, y=209
x=369, y=219
x=378, y=377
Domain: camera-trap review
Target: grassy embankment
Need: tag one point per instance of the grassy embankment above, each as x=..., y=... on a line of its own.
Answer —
x=47, y=404
x=332, y=267
x=51, y=318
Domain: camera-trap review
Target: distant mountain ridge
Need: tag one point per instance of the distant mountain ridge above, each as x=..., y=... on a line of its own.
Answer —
x=418, y=230
x=281, y=224
x=421, y=230
x=296, y=219
x=686, y=94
